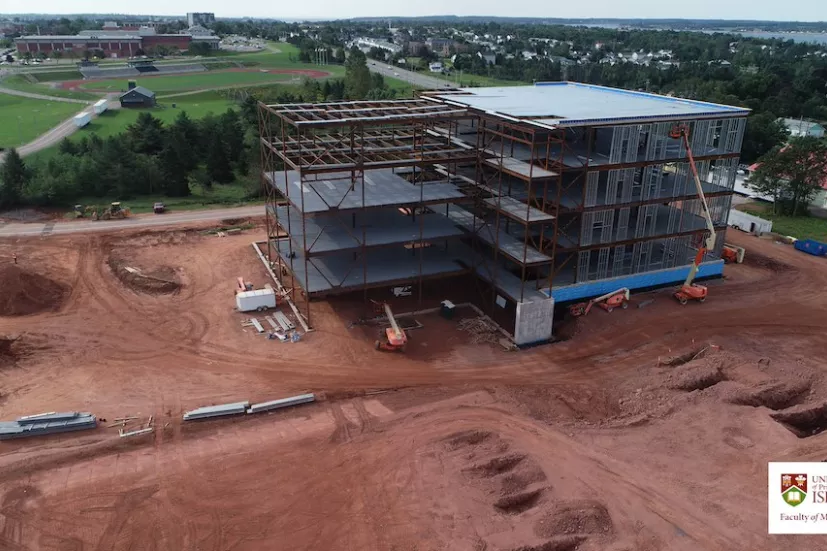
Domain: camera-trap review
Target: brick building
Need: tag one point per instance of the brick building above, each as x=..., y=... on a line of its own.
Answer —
x=112, y=43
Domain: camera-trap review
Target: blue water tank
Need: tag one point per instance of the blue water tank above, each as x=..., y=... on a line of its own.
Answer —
x=811, y=246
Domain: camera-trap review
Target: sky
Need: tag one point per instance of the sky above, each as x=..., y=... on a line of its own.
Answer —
x=789, y=10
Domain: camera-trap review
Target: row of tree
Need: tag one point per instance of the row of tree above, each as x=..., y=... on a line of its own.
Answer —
x=148, y=158
x=792, y=175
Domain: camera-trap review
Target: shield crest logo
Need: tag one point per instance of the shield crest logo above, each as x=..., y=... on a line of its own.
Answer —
x=794, y=488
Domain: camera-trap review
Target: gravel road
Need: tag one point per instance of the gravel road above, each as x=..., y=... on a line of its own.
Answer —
x=15, y=229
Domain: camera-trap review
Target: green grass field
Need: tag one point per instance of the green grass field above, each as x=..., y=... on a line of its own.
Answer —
x=801, y=227
x=186, y=82
x=403, y=89
x=19, y=82
x=196, y=106
x=52, y=76
x=24, y=119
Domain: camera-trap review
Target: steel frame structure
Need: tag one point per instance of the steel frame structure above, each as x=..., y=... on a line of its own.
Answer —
x=563, y=238
x=306, y=146
x=534, y=202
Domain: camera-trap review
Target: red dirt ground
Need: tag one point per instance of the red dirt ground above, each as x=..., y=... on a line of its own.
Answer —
x=310, y=73
x=589, y=444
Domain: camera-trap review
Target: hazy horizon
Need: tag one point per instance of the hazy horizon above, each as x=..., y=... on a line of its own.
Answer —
x=805, y=11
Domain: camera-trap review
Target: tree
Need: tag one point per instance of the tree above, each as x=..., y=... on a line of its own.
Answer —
x=178, y=156
x=68, y=147
x=794, y=173
x=357, y=75
x=57, y=54
x=14, y=175
x=377, y=53
x=768, y=178
x=764, y=132
x=232, y=134
x=218, y=164
x=199, y=48
x=146, y=134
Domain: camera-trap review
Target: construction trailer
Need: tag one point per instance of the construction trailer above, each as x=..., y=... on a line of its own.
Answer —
x=547, y=194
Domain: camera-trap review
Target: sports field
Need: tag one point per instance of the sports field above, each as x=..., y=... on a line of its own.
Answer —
x=21, y=83
x=202, y=81
x=23, y=119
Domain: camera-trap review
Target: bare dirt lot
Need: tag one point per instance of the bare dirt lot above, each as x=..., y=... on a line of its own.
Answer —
x=649, y=429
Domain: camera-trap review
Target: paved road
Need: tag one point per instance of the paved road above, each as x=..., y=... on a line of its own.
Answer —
x=56, y=134
x=138, y=221
x=32, y=95
x=417, y=79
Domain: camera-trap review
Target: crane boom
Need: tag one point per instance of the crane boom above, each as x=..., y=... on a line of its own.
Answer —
x=683, y=132
x=392, y=321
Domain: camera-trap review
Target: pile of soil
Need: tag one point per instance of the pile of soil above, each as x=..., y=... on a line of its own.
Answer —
x=25, y=293
x=575, y=517
x=8, y=354
x=160, y=281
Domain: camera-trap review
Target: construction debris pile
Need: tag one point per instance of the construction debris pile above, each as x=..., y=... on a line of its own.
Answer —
x=481, y=329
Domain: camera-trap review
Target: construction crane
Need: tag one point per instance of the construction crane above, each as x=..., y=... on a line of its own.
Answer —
x=609, y=301
x=693, y=291
x=393, y=339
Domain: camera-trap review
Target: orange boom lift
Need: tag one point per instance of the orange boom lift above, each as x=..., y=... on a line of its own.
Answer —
x=692, y=291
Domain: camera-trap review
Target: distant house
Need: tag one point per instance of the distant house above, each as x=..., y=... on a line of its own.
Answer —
x=563, y=61
x=490, y=59
x=137, y=96
x=802, y=127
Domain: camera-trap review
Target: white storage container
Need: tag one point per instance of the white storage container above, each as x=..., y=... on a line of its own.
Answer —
x=100, y=106
x=82, y=119
x=749, y=222
x=260, y=299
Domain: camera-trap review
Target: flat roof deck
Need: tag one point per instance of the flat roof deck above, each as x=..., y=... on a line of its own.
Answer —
x=383, y=188
x=326, y=234
x=342, y=273
x=561, y=104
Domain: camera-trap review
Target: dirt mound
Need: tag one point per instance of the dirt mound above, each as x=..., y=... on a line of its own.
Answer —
x=497, y=465
x=24, y=293
x=563, y=543
x=518, y=481
x=804, y=421
x=234, y=221
x=160, y=281
x=12, y=350
x=691, y=377
x=467, y=438
x=575, y=517
x=760, y=261
x=771, y=394
x=515, y=504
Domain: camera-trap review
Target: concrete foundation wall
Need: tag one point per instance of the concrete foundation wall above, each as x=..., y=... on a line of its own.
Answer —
x=534, y=321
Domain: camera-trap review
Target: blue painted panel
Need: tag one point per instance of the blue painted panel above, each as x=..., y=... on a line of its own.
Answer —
x=637, y=281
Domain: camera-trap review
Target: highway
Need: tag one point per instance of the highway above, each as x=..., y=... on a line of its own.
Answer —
x=15, y=229
x=420, y=80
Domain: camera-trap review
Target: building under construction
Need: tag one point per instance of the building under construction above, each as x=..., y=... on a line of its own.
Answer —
x=546, y=193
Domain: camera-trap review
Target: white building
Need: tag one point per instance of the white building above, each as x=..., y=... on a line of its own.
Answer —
x=202, y=18
x=435, y=67
x=802, y=127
